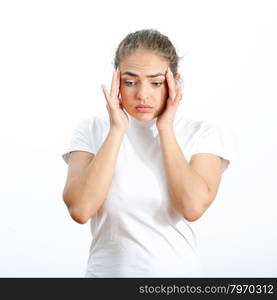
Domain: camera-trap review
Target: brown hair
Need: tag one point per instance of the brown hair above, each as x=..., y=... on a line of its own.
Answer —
x=148, y=39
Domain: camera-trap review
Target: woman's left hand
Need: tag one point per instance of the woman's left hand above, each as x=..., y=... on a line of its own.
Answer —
x=166, y=118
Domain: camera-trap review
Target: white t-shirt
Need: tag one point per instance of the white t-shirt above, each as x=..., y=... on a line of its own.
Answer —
x=136, y=232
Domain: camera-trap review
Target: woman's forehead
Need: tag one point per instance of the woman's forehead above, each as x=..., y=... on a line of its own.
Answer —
x=133, y=74
x=143, y=70
x=143, y=63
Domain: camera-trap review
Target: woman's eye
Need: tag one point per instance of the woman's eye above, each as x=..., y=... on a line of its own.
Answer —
x=157, y=83
x=129, y=83
x=132, y=83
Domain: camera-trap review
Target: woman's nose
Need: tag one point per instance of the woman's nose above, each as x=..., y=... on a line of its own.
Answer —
x=142, y=93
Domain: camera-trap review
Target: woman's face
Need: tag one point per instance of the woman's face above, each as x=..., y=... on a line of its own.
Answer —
x=143, y=82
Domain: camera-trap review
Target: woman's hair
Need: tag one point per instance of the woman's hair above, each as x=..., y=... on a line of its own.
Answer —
x=148, y=39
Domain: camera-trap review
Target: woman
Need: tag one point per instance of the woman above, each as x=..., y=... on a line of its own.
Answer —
x=142, y=174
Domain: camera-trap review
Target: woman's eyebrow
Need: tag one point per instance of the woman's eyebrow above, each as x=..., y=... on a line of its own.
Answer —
x=135, y=75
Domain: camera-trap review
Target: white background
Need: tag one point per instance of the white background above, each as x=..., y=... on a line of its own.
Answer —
x=54, y=55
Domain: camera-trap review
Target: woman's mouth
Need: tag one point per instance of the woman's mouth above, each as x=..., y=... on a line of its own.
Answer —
x=144, y=108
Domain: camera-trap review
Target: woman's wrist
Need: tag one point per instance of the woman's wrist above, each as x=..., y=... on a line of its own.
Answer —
x=116, y=131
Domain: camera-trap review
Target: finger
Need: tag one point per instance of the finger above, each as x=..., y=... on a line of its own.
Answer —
x=171, y=85
x=114, y=85
x=118, y=83
x=106, y=94
x=111, y=84
x=178, y=94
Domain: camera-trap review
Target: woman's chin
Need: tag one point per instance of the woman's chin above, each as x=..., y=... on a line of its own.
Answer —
x=143, y=116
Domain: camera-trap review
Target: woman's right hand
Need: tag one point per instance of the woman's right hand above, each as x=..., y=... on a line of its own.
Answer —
x=118, y=117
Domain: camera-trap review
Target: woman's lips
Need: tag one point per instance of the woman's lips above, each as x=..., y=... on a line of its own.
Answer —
x=143, y=108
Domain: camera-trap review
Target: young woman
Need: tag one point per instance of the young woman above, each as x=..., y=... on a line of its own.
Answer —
x=144, y=172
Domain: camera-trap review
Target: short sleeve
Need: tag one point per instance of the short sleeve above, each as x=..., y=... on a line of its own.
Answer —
x=81, y=139
x=211, y=140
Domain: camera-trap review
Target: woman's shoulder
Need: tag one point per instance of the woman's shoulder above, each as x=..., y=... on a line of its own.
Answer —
x=91, y=126
x=194, y=125
x=94, y=122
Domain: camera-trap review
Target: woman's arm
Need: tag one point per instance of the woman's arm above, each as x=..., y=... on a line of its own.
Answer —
x=192, y=186
x=85, y=194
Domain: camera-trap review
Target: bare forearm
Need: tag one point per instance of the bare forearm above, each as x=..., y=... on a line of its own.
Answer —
x=188, y=191
x=93, y=185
